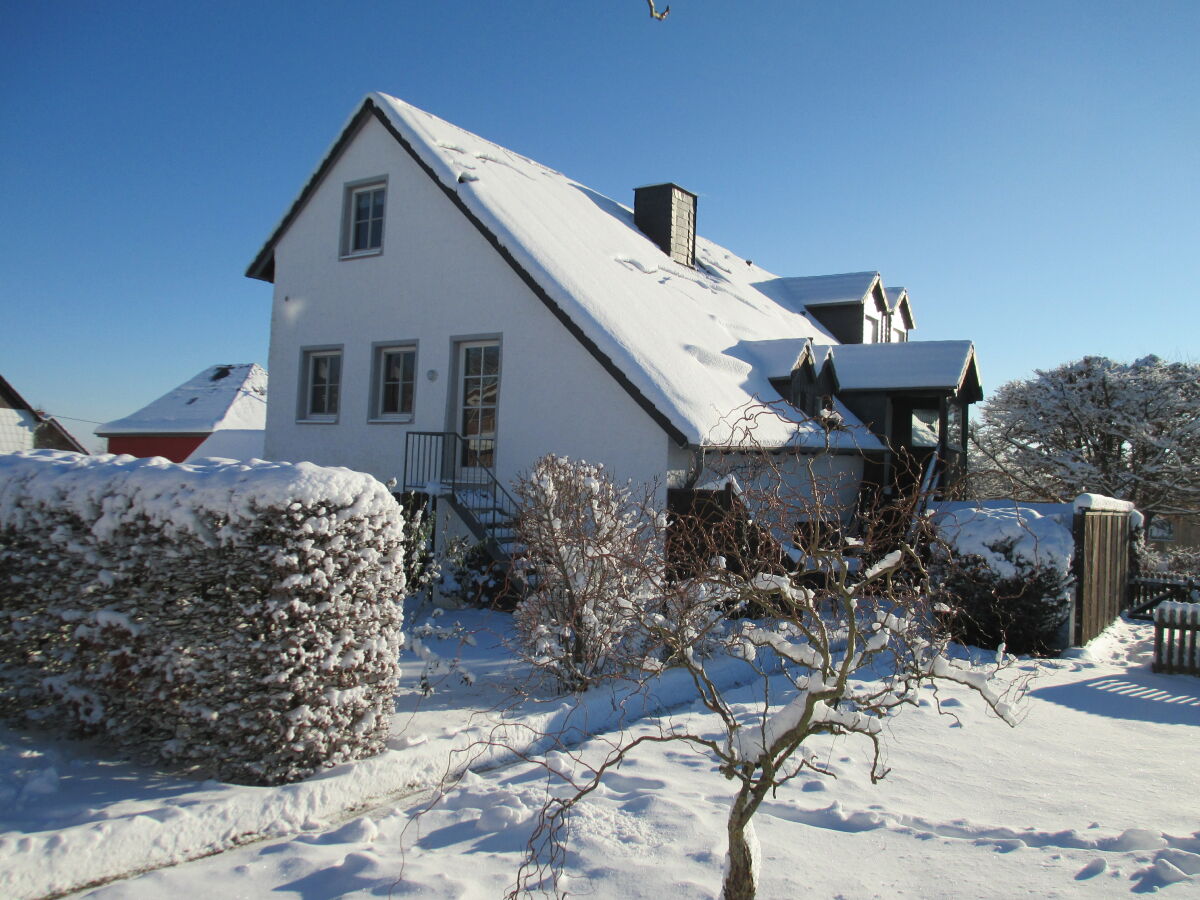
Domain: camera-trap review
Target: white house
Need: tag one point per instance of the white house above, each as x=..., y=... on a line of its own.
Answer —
x=24, y=428
x=445, y=308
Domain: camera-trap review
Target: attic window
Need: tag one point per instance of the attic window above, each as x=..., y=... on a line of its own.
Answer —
x=362, y=218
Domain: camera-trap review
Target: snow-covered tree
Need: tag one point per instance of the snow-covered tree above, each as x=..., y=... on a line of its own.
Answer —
x=1130, y=431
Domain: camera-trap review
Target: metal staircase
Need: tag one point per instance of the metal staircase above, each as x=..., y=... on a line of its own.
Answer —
x=438, y=463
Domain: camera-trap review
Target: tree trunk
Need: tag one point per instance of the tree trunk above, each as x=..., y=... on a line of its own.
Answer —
x=741, y=880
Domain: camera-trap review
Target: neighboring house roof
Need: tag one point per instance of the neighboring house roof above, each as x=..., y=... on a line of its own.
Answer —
x=24, y=428
x=220, y=397
x=688, y=344
x=230, y=443
x=933, y=365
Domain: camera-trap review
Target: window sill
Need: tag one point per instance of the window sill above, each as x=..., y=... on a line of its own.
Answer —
x=362, y=254
x=391, y=420
x=317, y=420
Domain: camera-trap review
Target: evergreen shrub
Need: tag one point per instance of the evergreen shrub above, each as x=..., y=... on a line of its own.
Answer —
x=244, y=618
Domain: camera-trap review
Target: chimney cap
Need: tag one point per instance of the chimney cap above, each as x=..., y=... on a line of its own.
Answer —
x=664, y=184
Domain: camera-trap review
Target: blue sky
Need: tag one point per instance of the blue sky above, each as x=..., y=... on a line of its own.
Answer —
x=1030, y=171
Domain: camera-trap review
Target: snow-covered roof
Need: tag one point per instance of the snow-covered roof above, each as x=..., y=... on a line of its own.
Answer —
x=227, y=396
x=904, y=366
x=687, y=343
x=825, y=290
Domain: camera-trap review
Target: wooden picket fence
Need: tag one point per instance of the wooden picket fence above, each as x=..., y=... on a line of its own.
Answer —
x=1176, y=649
x=1147, y=591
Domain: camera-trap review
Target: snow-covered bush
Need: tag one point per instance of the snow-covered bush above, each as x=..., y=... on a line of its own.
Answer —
x=1005, y=575
x=242, y=617
x=591, y=553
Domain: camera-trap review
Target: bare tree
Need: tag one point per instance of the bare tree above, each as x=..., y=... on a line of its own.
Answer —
x=834, y=644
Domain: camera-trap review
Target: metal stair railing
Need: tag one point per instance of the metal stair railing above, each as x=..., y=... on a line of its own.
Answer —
x=436, y=463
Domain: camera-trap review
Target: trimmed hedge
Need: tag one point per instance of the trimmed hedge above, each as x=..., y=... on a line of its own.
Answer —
x=242, y=617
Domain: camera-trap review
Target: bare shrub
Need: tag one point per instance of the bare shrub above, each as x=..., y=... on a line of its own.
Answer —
x=842, y=638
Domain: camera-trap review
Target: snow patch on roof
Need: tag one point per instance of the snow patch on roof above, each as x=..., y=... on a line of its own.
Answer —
x=220, y=397
x=675, y=332
x=908, y=365
x=824, y=290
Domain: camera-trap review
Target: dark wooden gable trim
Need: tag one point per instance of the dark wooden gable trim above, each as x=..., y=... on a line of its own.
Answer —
x=827, y=378
x=11, y=398
x=876, y=292
x=970, y=389
x=264, y=264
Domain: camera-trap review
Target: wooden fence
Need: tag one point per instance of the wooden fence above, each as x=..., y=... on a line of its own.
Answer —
x=1176, y=650
x=1147, y=591
x=1101, y=570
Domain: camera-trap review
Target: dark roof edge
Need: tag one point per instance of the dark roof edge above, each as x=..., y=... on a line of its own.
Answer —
x=11, y=394
x=66, y=435
x=263, y=266
x=599, y=355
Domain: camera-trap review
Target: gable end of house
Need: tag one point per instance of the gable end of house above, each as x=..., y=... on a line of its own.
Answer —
x=263, y=266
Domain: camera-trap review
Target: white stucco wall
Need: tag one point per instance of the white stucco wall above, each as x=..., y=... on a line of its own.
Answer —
x=436, y=281
x=17, y=429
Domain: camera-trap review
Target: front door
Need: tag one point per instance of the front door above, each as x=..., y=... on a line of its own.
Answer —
x=479, y=395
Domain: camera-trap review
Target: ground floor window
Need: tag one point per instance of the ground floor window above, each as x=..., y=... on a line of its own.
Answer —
x=395, y=382
x=322, y=377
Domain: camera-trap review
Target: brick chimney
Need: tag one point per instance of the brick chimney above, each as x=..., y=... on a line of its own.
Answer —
x=666, y=214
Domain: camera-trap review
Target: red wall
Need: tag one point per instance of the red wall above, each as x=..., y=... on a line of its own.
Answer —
x=174, y=447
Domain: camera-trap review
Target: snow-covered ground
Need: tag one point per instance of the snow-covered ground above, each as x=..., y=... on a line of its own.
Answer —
x=1095, y=793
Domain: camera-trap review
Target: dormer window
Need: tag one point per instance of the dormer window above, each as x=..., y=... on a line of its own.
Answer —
x=362, y=228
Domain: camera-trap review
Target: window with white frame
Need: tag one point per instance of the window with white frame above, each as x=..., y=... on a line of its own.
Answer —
x=321, y=384
x=362, y=229
x=395, y=382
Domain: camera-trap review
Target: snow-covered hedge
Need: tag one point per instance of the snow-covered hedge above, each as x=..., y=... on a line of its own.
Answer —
x=244, y=617
x=1005, y=571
